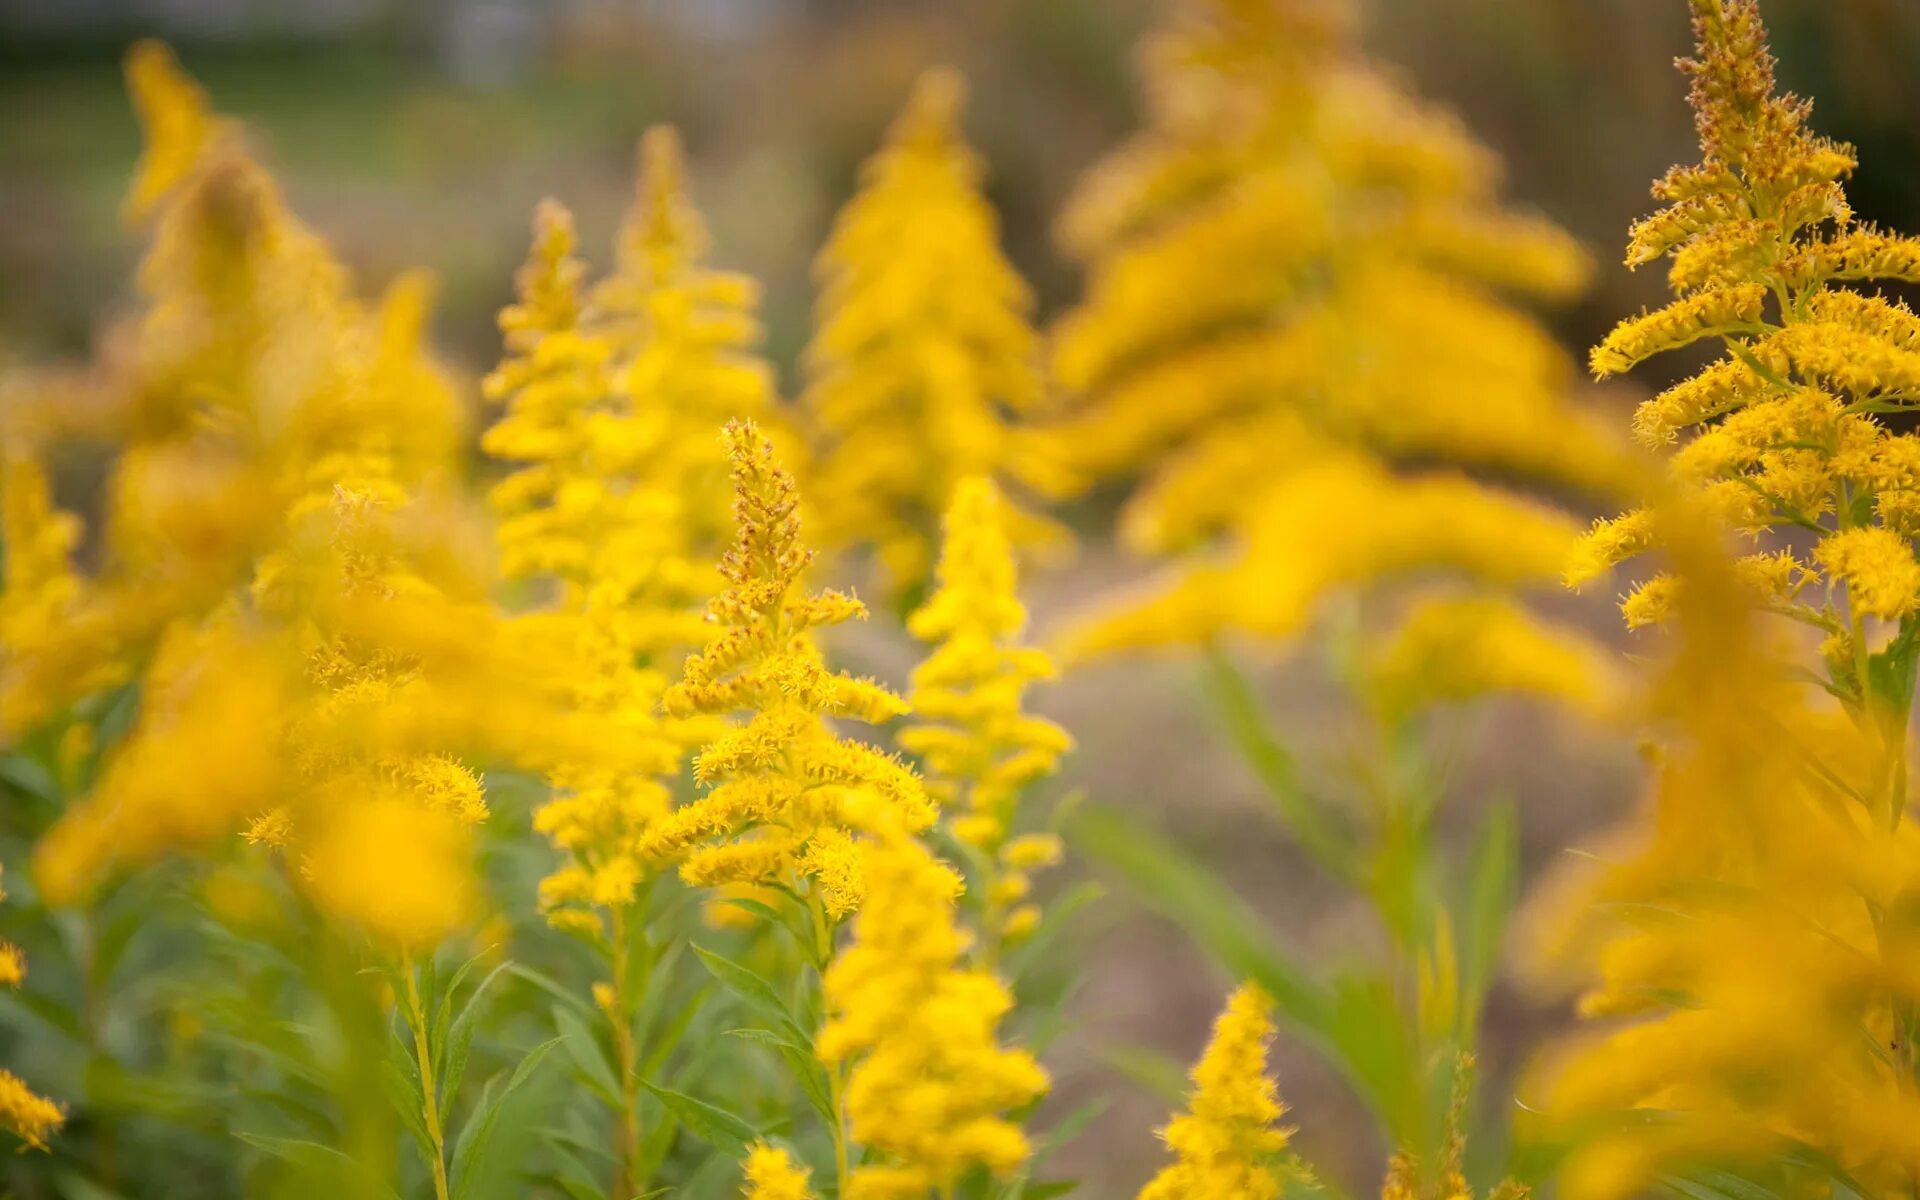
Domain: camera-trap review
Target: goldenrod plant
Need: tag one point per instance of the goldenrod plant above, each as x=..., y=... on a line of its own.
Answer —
x=924, y=363
x=1750, y=945
x=392, y=809
x=1300, y=346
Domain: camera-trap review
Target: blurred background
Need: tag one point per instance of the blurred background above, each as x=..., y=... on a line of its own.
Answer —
x=423, y=133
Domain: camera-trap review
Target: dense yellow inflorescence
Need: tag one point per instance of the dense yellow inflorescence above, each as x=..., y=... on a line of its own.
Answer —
x=1752, y=947
x=1784, y=428
x=612, y=397
x=1296, y=261
x=929, y=1085
x=923, y=363
x=778, y=787
x=772, y=1175
x=979, y=748
x=1229, y=1144
x=281, y=559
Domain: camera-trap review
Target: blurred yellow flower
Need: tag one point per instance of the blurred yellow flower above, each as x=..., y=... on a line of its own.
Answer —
x=923, y=362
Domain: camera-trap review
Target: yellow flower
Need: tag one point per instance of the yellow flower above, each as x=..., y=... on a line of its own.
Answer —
x=399, y=872
x=1782, y=429
x=1229, y=1144
x=1452, y=648
x=978, y=746
x=30, y=1117
x=1294, y=260
x=928, y=1084
x=922, y=360
x=772, y=1175
x=779, y=789
x=1344, y=521
x=1878, y=568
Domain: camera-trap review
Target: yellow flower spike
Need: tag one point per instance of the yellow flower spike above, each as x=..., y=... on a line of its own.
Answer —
x=1779, y=431
x=1295, y=261
x=1230, y=1141
x=928, y=1084
x=30, y=1117
x=772, y=1175
x=923, y=362
x=979, y=748
x=782, y=790
x=1450, y=648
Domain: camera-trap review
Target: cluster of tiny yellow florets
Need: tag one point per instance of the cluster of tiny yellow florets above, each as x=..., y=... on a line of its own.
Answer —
x=923, y=360
x=779, y=786
x=1783, y=429
x=929, y=1085
x=979, y=748
x=1229, y=1145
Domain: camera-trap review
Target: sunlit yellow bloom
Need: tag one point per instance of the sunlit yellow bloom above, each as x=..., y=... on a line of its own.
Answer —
x=1782, y=429
x=30, y=1117
x=772, y=1175
x=1450, y=648
x=1751, y=944
x=923, y=360
x=779, y=787
x=1229, y=1144
x=929, y=1084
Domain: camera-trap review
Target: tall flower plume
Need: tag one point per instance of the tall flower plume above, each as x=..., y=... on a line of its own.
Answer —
x=1296, y=263
x=923, y=363
x=778, y=787
x=979, y=747
x=928, y=1084
x=1230, y=1145
x=1750, y=942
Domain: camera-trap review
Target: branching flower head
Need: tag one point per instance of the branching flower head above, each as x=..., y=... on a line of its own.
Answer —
x=779, y=787
x=1783, y=430
x=929, y=1085
x=1230, y=1145
x=923, y=361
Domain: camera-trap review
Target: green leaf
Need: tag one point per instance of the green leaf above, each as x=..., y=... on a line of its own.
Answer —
x=716, y=1126
x=1493, y=874
x=459, y=1039
x=1160, y=1074
x=588, y=1054
x=806, y=1069
x=1171, y=882
x=547, y=984
x=751, y=988
x=479, y=1128
x=1059, y=913
x=306, y=1155
x=1252, y=734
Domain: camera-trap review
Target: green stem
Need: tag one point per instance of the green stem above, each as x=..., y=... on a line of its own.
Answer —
x=1247, y=726
x=836, y=1073
x=430, y=1101
x=627, y=1053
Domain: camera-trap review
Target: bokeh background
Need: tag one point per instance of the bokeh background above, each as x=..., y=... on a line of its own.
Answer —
x=423, y=133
